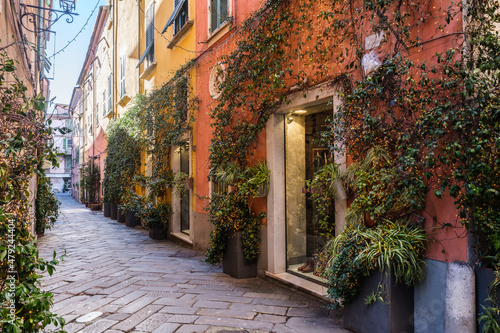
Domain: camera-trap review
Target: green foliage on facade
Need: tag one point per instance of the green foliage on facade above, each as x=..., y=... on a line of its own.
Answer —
x=23, y=142
x=46, y=204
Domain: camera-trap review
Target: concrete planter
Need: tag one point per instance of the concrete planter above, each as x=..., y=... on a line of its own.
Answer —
x=484, y=277
x=394, y=315
x=107, y=209
x=114, y=209
x=121, y=215
x=234, y=263
x=131, y=220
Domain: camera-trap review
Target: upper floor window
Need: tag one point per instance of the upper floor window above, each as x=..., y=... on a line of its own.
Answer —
x=219, y=13
x=149, y=52
x=122, y=76
x=110, y=96
x=104, y=103
x=97, y=114
x=69, y=124
x=67, y=163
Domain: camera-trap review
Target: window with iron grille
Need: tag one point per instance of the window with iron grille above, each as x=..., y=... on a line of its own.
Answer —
x=219, y=13
x=122, y=76
x=97, y=114
x=110, y=96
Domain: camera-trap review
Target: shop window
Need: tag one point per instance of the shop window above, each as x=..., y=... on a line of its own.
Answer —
x=219, y=13
x=305, y=236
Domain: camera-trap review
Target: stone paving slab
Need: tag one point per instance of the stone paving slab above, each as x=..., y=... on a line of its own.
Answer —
x=141, y=285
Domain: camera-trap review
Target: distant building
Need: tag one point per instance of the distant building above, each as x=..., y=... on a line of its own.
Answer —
x=62, y=126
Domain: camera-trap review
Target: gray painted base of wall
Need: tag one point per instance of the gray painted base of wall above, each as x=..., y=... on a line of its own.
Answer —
x=430, y=298
x=201, y=227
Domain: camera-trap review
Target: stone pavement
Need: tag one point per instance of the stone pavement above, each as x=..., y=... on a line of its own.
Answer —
x=117, y=279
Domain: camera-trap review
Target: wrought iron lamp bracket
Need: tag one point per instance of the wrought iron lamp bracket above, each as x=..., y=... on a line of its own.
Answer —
x=34, y=19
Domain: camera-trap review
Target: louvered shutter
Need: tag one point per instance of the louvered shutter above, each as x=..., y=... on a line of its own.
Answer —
x=110, y=96
x=150, y=25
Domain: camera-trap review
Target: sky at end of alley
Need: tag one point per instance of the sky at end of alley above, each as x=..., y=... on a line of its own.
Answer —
x=69, y=44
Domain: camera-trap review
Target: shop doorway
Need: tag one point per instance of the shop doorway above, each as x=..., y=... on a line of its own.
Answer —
x=305, y=155
x=184, y=198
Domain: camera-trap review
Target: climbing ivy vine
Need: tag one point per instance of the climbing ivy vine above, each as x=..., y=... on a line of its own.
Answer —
x=435, y=115
x=24, y=145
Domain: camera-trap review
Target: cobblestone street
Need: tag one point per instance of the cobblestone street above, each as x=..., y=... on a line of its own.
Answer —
x=116, y=279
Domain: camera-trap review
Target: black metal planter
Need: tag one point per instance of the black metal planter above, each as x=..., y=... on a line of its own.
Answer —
x=131, y=220
x=121, y=215
x=114, y=207
x=234, y=263
x=107, y=209
x=484, y=277
x=157, y=232
x=394, y=315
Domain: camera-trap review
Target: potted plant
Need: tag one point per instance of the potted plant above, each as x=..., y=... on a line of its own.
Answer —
x=235, y=238
x=121, y=214
x=255, y=180
x=372, y=272
x=156, y=217
x=133, y=204
x=46, y=205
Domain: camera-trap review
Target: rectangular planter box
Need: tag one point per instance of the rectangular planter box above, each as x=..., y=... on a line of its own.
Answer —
x=395, y=315
x=157, y=232
x=121, y=215
x=107, y=209
x=114, y=209
x=131, y=220
x=234, y=263
x=95, y=207
x=484, y=277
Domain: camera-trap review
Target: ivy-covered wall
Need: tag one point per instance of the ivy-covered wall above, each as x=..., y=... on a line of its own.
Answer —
x=292, y=46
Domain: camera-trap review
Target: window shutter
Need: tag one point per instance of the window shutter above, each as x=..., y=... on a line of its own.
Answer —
x=110, y=96
x=104, y=103
x=150, y=24
x=122, y=76
x=213, y=15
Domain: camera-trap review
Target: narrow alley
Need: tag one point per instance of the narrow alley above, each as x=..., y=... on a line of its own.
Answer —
x=117, y=279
